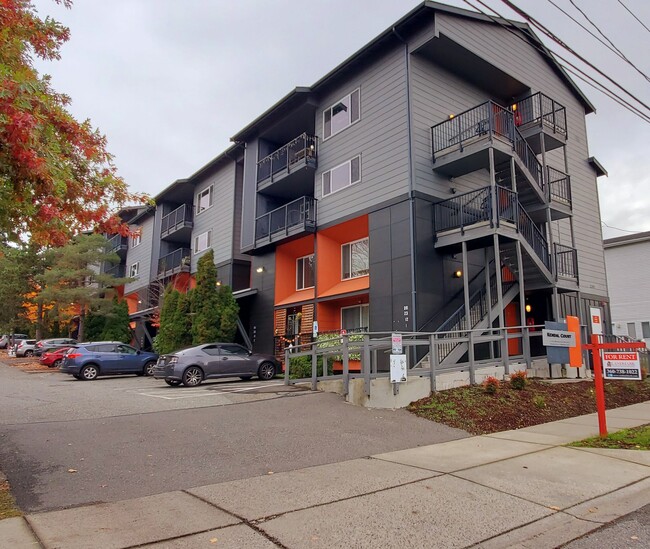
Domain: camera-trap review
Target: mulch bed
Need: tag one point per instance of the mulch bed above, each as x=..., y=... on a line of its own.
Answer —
x=475, y=411
x=30, y=364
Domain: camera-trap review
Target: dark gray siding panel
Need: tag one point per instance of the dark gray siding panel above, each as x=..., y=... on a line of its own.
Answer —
x=249, y=195
x=260, y=328
x=380, y=137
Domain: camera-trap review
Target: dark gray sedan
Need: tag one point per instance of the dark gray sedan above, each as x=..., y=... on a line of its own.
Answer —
x=213, y=360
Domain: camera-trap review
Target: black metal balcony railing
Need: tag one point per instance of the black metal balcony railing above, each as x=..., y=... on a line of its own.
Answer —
x=566, y=261
x=473, y=207
x=175, y=262
x=176, y=219
x=559, y=186
x=542, y=110
x=118, y=271
x=118, y=243
x=297, y=152
x=296, y=214
x=485, y=120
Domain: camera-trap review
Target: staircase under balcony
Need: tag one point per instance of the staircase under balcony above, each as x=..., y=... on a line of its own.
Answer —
x=475, y=218
x=292, y=220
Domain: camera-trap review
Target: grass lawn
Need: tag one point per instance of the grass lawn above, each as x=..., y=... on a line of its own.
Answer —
x=7, y=504
x=637, y=438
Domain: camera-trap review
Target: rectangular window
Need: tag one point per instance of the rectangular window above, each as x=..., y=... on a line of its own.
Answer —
x=305, y=272
x=202, y=242
x=136, y=238
x=631, y=330
x=204, y=199
x=342, y=176
x=355, y=259
x=355, y=318
x=134, y=270
x=342, y=114
x=645, y=329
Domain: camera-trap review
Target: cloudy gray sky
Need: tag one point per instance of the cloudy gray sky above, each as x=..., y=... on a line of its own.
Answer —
x=170, y=82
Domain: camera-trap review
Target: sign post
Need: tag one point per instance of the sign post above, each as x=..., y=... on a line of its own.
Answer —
x=617, y=355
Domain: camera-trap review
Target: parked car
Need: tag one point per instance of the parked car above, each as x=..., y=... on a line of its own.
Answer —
x=54, y=357
x=53, y=343
x=5, y=340
x=25, y=347
x=89, y=360
x=212, y=360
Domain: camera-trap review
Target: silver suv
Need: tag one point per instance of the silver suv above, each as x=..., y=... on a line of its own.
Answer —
x=6, y=339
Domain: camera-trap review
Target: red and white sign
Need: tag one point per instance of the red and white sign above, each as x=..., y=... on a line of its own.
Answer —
x=621, y=365
x=596, y=320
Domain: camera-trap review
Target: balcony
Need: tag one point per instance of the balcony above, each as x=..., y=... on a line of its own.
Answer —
x=461, y=144
x=177, y=225
x=118, y=271
x=539, y=113
x=176, y=262
x=293, y=158
x=566, y=261
x=292, y=219
x=118, y=244
x=477, y=215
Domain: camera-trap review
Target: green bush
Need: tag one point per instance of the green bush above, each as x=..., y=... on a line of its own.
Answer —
x=300, y=367
x=518, y=380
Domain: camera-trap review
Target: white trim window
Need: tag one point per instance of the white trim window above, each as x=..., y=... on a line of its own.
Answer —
x=134, y=270
x=355, y=259
x=355, y=318
x=342, y=176
x=305, y=272
x=343, y=113
x=204, y=199
x=136, y=237
x=202, y=241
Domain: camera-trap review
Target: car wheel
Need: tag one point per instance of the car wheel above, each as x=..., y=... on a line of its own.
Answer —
x=149, y=368
x=89, y=372
x=56, y=364
x=29, y=353
x=245, y=378
x=266, y=371
x=172, y=382
x=193, y=376
x=76, y=376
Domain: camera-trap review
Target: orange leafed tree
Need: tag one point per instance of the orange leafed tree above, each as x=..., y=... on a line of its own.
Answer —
x=56, y=176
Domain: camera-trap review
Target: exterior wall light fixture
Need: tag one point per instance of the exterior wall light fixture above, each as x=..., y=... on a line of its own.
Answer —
x=260, y=269
x=458, y=273
x=528, y=308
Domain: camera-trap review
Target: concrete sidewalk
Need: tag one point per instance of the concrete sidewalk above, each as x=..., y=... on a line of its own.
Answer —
x=513, y=489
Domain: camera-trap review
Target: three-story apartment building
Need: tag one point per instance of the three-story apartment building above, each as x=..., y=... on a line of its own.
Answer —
x=437, y=180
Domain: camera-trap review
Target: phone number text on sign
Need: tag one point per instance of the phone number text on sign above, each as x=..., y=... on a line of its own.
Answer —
x=621, y=366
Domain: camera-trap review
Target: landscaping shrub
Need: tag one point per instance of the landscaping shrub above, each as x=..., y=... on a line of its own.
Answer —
x=518, y=380
x=300, y=367
x=539, y=401
x=491, y=385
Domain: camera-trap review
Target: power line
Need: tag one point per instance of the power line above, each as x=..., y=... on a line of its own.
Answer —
x=559, y=41
x=611, y=47
x=632, y=14
x=547, y=53
x=617, y=229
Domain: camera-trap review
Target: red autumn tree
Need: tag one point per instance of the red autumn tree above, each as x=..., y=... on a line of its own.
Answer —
x=56, y=176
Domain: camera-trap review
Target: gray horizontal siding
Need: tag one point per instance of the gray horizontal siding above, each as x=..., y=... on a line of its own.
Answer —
x=380, y=137
x=141, y=253
x=524, y=62
x=629, y=301
x=220, y=218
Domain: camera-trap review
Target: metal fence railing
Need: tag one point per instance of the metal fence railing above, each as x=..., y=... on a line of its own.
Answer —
x=539, y=108
x=300, y=213
x=559, y=186
x=566, y=261
x=176, y=219
x=298, y=151
x=174, y=262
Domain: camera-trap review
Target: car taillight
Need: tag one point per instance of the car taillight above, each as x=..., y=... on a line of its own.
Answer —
x=73, y=355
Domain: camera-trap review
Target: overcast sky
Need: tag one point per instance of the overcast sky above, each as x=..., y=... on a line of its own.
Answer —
x=169, y=82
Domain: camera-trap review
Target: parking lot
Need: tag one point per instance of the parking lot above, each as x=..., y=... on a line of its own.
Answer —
x=65, y=442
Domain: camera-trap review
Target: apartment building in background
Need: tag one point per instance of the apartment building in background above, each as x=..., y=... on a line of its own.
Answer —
x=629, y=285
x=438, y=179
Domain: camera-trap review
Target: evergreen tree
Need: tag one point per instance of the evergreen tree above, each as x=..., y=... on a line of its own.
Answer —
x=229, y=311
x=165, y=340
x=206, y=319
x=95, y=323
x=116, y=325
x=183, y=320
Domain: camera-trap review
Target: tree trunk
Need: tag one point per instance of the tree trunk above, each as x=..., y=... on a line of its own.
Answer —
x=39, y=320
x=82, y=319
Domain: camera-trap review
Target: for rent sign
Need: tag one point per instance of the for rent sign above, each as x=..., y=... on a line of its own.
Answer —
x=621, y=365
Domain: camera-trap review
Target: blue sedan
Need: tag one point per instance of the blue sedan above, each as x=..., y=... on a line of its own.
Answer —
x=90, y=360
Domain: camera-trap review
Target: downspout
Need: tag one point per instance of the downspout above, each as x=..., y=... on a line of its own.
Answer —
x=411, y=196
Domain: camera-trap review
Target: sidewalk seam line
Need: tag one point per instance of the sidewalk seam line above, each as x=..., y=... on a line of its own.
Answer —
x=586, y=450
x=31, y=529
x=243, y=520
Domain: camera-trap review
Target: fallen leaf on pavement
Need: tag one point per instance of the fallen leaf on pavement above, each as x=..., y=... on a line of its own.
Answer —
x=554, y=507
x=72, y=470
x=213, y=540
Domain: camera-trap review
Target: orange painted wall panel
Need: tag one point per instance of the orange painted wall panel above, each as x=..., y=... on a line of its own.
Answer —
x=285, y=269
x=511, y=317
